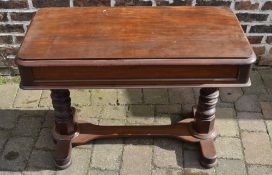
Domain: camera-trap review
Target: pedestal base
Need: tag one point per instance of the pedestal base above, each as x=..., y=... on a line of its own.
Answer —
x=199, y=129
x=86, y=132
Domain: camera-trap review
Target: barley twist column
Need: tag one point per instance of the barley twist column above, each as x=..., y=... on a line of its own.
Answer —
x=203, y=126
x=205, y=113
x=64, y=127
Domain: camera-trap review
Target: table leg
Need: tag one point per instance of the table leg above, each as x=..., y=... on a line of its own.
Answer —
x=204, y=125
x=64, y=130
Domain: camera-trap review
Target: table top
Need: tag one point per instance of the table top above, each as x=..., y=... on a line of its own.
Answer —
x=104, y=33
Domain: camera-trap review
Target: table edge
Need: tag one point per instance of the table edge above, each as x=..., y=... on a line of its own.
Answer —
x=247, y=84
x=136, y=62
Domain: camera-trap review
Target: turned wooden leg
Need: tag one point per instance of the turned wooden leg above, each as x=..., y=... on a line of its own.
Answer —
x=64, y=127
x=204, y=125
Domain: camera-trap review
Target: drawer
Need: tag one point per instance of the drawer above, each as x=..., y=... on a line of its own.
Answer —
x=133, y=76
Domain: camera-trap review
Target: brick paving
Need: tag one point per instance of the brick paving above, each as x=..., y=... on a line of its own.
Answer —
x=243, y=122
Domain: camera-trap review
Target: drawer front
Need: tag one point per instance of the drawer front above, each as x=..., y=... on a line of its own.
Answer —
x=130, y=76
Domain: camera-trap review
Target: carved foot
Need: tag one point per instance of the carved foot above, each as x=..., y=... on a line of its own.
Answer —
x=208, y=157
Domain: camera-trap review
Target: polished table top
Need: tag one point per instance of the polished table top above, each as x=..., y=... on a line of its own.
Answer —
x=135, y=32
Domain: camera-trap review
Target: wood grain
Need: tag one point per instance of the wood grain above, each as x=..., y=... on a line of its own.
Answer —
x=135, y=32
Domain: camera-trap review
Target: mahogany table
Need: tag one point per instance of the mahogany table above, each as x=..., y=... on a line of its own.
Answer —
x=132, y=47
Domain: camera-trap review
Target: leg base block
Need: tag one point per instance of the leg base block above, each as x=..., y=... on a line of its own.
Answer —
x=208, y=158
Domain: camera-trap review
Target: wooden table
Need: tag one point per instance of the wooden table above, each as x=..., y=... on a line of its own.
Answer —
x=132, y=47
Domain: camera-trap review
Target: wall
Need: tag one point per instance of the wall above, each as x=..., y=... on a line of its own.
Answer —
x=15, y=15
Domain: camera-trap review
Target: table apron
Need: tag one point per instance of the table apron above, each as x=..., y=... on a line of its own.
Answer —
x=132, y=76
